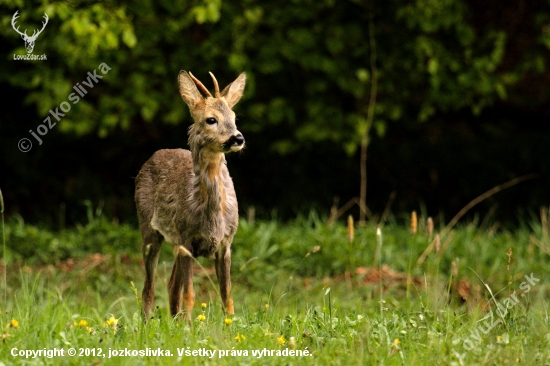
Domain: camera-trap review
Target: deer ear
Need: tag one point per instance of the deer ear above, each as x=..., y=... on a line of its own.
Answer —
x=234, y=91
x=188, y=90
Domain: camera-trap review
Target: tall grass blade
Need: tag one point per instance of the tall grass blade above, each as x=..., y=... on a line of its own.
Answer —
x=379, y=250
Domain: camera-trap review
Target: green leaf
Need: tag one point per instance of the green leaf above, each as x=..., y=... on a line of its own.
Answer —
x=129, y=38
x=363, y=75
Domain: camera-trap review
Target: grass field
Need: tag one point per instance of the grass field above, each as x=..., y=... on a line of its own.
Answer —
x=304, y=295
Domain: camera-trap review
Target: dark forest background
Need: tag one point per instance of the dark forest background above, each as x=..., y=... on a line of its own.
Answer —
x=462, y=102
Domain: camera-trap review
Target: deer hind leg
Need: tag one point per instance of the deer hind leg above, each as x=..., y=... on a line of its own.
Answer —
x=223, y=269
x=181, y=278
x=151, y=250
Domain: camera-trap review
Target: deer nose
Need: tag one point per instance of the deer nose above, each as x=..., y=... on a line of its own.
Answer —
x=239, y=139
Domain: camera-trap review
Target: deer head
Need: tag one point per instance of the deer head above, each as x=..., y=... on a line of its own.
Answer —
x=214, y=126
x=29, y=40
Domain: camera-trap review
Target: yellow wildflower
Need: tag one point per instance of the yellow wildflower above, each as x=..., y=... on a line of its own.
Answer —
x=81, y=323
x=201, y=317
x=240, y=337
x=89, y=330
x=395, y=345
x=203, y=305
x=14, y=323
x=281, y=340
x=266, y=306
x=228, y=321
x=112, y=321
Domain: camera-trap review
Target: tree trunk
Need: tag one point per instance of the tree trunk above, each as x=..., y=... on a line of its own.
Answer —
x=370, y=120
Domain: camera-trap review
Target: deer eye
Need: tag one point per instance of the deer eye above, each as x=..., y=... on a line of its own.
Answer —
x=211, y=121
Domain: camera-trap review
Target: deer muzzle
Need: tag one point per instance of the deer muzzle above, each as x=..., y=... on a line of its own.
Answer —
x=234, y=143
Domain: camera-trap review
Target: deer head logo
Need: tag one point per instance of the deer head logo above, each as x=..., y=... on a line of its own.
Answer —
x=29, y=40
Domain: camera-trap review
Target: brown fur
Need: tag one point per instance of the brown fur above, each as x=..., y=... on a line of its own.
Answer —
x=188, y=199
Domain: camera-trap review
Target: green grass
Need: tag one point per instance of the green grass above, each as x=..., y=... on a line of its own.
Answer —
x=299, y=286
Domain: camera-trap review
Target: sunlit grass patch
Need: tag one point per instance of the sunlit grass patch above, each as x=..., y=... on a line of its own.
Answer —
x=303, y=286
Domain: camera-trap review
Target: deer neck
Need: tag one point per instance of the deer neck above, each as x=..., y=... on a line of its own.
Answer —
x=209, y=184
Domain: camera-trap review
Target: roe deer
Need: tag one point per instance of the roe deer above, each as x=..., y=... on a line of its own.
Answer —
x=187, y=197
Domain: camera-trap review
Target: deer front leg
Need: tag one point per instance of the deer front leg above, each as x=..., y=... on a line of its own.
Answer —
x=182, y=277
x=223, y=269
x=151, y=251
x=188, y=293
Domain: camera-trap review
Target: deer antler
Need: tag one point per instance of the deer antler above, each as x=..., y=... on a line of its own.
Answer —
x=200, y=85
x=15, y=16
x=216, y=87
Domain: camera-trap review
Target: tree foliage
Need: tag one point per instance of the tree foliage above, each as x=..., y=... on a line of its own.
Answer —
x=307, y=62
